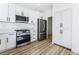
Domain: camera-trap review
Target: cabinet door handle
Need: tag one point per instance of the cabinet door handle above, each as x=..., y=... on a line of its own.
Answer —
x=7, y=40
x=0, y=42
x=7, y=18
x=61, y=24
x=61, y=31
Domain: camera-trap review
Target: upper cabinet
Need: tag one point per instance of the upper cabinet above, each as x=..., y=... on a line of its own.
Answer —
x=3, y=12
x=26, y=12
x=11, y=13
x=21, y=11
x=7, y=12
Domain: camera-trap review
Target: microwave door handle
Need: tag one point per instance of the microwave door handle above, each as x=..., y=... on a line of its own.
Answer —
x=43, y=26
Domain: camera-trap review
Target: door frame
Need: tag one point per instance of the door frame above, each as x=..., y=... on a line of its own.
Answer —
x=47, y=26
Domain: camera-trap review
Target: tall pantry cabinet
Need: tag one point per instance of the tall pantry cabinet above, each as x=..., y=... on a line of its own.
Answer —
x=62, y=25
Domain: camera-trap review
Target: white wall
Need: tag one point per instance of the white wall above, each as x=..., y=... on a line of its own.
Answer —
x=75, y=28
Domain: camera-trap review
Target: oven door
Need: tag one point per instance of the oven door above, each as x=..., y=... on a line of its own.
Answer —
x=23, y=39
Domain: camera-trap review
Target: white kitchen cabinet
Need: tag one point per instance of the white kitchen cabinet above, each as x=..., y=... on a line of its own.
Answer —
x=11, y=12
x=20, y=10
x=67, y=27
x=26, y=12
x=11, y=40
x=62, y=28
x=3, y=11
x=2, y=42
x=7, y=41
x=57, y=37
x=33, y=35
x=7, y=12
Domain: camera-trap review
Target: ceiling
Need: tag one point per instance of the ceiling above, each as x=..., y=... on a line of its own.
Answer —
x=37, y=6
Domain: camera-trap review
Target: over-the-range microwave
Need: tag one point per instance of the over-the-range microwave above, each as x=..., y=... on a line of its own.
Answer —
x=22, y=19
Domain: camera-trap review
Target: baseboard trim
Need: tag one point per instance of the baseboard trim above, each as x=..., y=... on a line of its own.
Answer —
x=63, y=46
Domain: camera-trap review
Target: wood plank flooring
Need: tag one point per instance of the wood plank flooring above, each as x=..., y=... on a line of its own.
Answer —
x=44, y=47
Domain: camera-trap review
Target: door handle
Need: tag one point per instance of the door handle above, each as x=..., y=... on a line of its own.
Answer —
x=7, y=40
x=0, y=42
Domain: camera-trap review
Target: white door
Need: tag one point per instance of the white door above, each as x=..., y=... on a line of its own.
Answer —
x=11, y=41
x=66, y=16
x=2, y=42
x=3, y=11
x=11, y=12
x=57, y=36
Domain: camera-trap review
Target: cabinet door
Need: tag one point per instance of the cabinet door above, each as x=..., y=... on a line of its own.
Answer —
x=3, y=11
x=2, y=43
x=26, y=12
x=33, y=35
x=57, y=35
x=19, y=10
x=11, y=41
x=67, y=24
x=11, y=12
x=62, y=28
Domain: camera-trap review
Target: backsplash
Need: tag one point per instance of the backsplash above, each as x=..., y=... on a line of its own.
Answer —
x=5, y=27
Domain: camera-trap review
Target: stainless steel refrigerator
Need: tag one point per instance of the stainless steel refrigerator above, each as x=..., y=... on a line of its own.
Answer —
x=42, y=29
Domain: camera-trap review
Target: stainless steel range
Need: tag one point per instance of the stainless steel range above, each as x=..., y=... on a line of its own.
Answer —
x=22, y=37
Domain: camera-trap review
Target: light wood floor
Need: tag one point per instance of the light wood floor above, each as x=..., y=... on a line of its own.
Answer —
x=44, y=47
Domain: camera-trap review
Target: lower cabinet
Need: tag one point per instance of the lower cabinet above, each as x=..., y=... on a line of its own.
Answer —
x=11, y=41
x=2, y=42
x=33, y=35
x=7, y=41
